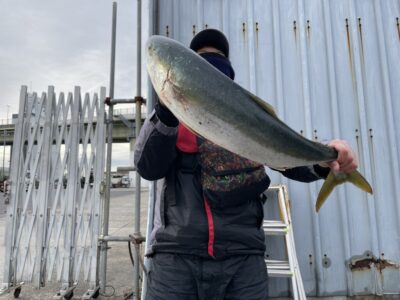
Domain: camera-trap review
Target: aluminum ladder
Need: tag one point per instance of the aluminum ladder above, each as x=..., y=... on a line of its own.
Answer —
x=290, y=267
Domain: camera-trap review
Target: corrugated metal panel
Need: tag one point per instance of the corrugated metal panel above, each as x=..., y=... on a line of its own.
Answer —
x=331, y=68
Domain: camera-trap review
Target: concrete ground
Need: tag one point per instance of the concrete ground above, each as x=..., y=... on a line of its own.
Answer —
x=119, y=268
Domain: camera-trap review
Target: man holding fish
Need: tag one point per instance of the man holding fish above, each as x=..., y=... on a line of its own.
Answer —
x=206, y=143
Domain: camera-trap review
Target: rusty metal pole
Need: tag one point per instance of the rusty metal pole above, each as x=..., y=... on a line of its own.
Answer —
x=138, y=122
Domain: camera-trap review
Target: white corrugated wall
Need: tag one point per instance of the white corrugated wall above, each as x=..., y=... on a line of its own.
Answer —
x=332, y=70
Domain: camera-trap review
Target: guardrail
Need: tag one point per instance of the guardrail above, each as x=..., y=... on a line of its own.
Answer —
x=5, y=121
x=121, y=111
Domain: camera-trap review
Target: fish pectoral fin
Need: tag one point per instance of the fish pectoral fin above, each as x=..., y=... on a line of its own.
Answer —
x=264, y=105
x=279, y=169
x=335, y=179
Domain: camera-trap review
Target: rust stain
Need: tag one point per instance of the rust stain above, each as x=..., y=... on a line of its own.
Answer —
x=358, y=143
x=167, y=31
x=362, y=264
x=257, y=29
x=380, y=264
x=308, y=30
x=348, y=42
x=353, y=78
x=194, y=30
x=361, y=36
x=398, y=27
x=244, y=30
x=295, y=30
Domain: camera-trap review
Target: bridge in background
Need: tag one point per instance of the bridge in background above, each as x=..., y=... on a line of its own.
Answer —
x=124, y=126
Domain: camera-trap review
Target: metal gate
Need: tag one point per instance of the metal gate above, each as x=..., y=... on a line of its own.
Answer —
x=57, y=170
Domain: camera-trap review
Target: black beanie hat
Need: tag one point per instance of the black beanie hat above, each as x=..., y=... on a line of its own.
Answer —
x=211, y=38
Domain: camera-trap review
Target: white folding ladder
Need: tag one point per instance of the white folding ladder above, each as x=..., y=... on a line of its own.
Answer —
x=283, y=227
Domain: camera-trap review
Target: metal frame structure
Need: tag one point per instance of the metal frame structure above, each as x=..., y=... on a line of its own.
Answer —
x=137, y=237
x=57, y=188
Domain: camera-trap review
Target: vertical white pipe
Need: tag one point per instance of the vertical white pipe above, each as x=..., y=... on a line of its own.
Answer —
x=106, y=203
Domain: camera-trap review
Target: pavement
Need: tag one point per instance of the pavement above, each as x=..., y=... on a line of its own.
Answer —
x=119, y=267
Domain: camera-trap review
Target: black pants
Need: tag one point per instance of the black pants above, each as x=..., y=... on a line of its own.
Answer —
x=188, y=277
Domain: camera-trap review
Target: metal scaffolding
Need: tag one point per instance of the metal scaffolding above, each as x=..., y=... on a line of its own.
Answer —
x=137, y=239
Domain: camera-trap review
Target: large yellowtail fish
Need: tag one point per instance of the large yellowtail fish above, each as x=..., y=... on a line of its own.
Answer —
x=218, y=109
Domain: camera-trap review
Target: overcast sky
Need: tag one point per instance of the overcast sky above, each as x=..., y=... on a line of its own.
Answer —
x=64, y=43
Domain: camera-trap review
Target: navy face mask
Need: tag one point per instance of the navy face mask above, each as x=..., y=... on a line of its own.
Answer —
x=220, y=62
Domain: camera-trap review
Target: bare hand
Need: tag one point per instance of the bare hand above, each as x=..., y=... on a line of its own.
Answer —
x=346, y=161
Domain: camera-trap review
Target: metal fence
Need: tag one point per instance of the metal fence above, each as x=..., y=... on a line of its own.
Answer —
x=54, y=218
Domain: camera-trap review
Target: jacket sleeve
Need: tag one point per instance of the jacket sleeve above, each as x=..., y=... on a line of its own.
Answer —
x=155, y=148
x=306, y=173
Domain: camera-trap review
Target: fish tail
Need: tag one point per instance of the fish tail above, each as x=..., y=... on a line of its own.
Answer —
x=335, y=179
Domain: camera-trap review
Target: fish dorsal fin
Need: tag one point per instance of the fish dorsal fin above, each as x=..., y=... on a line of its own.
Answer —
x=264, y=105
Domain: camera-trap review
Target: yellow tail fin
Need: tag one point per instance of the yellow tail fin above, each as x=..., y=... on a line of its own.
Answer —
x=335, y=179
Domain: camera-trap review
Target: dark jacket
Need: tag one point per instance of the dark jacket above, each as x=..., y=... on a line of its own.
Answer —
x=185, y=221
